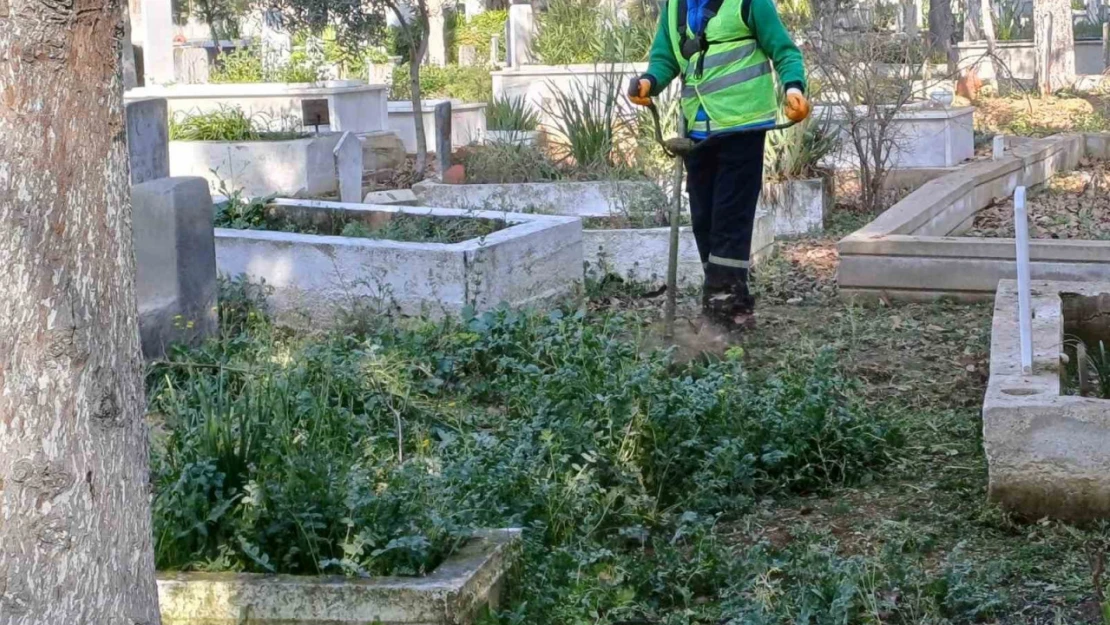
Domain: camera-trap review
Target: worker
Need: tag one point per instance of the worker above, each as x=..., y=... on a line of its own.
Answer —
x=725, y=50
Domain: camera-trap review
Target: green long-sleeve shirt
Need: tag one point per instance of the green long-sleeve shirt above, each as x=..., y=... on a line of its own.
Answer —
x=763, y=19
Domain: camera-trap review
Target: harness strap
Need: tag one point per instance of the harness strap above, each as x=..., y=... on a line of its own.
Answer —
x=700, y=43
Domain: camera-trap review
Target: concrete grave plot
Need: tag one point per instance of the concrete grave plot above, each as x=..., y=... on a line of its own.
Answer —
x=467, y=585
x=915, y=250
x=581, y=199
x=352, y=105
x=798, y=205
x=293, y=167
x=518, y=259
x=640, y=254
x=925, y=135
x=1047, y=447
x=610, y=244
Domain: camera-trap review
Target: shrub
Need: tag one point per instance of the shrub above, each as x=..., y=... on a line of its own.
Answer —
x=469, y=84
x=509, y=113
x=479, y=30
x=500, y=163
x=245, y=65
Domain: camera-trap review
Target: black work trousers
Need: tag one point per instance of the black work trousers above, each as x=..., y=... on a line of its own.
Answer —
x=724, y=179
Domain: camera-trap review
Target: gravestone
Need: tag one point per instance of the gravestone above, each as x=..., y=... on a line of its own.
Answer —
x=443, y=135
x=521, y=27
x=494, y=51
x=348, y=168
x=175, y=258
x=148, y=140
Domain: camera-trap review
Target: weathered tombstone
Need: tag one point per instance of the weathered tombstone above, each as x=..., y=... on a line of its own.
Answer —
x=175, y=255
x=348, y=167
x=494, y=51
x=521, y=27
x=437, y=29
x=443, y=135
x=998, y=147
x=468, y=56
x=148, y=140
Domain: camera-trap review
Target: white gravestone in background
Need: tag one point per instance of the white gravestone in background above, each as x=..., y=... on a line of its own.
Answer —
x=348, y=167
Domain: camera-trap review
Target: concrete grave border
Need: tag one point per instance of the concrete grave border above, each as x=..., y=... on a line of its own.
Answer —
x=457, y=592
x=1046, y=452
x=913, y=251
x=634, y=254
x=537, y=258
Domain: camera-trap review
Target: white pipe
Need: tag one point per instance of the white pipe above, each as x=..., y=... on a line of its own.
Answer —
x=1025, y=304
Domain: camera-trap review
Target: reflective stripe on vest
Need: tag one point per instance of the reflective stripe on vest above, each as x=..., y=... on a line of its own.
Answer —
x=724, y=58
x=728, y=80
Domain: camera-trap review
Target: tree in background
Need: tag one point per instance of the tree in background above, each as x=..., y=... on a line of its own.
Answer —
x=1053, y=44
x=75, y=524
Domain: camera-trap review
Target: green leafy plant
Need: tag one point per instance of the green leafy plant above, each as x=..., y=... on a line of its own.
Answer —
x=511, y=113
x=246, y=65
x=796, y=153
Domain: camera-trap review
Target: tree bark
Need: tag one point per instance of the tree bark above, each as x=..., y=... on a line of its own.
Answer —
x=1053, y=44
x=75, y=528
x=417, y=57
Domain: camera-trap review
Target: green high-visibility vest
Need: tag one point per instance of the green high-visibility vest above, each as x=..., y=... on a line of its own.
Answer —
x=734, y=82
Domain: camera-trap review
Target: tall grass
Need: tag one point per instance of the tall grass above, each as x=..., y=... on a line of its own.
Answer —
x=227, y=123
x=588, y=122
x=511, y=113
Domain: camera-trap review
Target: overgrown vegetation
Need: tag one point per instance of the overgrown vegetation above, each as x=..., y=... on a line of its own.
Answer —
x=229, y=123
x=469, y=84
x=305, y=454
x=479, y=31
x=257, y=214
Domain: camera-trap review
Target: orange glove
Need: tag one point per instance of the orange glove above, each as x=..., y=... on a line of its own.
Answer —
x=797, y=106
x=639, y=91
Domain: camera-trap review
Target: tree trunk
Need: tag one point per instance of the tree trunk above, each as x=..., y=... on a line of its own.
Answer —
x=940, y=30
x=418, y=51
x=973, y=21
x=75, y=529
x=1053, y=44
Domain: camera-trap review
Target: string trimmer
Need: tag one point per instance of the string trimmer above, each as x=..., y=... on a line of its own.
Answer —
x=676, y=148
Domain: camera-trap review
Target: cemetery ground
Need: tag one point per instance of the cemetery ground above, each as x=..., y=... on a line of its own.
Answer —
x=826, y=469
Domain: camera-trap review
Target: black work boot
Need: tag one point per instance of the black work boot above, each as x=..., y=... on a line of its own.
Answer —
x=727, y=301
